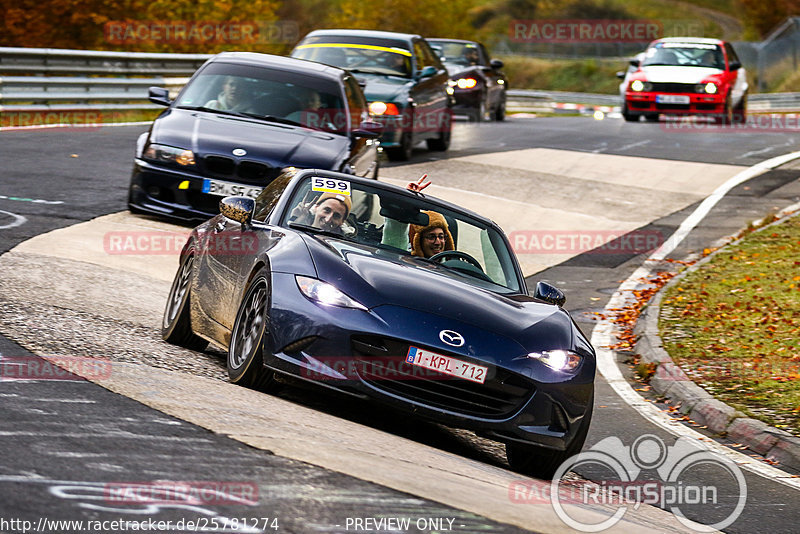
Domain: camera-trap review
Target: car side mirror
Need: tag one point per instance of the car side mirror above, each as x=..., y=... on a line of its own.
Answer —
x=734, y=65
x=621, y=74
x=635, y=63
x=369, y=130
x=159, y=95
x=549, y=293
x=239, y=209
x=496, y=64
x=427, y=72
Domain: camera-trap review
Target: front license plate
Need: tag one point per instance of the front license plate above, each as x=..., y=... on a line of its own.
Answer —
x=447, y=365
x=227, y=189
x=672, y=99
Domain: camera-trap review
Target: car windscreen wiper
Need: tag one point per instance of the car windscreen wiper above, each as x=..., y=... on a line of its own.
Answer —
x=315, y=230
x=379, y=73
x=214, y=110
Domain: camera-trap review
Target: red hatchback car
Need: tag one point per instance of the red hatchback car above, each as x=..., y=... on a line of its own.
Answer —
x=686, y=76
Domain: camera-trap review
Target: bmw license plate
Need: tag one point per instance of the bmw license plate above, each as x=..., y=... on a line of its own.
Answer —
x=672, y=99
x=227, y=189
x=447, y=365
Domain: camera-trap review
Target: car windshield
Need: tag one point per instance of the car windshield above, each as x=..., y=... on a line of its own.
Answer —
x=456, y=53
x=389, y=58
x=268, y=94
x=404, y=227
x=685, y=55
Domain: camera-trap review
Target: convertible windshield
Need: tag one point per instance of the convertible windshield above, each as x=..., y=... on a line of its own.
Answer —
x=268, y=94
x=685, y=55
x=408, y=226
x=457, y=52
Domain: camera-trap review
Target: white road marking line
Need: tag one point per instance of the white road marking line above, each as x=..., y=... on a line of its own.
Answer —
x=602, y=335
x=34, y=200
x=634, y=145
x=18, y=220
x=85, y=126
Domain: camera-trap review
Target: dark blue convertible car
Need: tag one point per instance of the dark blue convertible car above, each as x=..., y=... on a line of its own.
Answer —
x=416, y=303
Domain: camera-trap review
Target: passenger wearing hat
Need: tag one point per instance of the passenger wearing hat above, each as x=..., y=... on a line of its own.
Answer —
x=431, y=239
x=328, y=212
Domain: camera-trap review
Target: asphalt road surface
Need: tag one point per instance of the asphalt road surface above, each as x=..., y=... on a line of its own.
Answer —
x=64, y=440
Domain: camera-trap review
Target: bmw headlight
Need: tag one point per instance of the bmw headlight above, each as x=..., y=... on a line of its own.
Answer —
x=559, y=360
x=325, y=293
x=637, y=85
x=711, y=88
x=466, y=83
x=169, y=154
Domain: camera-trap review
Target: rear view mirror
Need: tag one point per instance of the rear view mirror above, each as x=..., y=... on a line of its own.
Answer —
x=734, y=65
x=621, y=74
x=428, y=71
x=239, y=209
x=549, y=293
x=407, y=213
x=496, y=64
x=635, y=62
x=158, y=95
x=369, y=129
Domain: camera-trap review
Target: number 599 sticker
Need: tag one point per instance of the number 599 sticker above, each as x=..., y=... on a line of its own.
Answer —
x=329, y=185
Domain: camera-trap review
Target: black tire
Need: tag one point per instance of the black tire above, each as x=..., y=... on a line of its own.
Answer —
x=479, y=114
x=500, y=112
x=740, y=111
x=629, y=117
x=245, y=359
x=442, y=143
x=402, y=152
x=540, y=462
x=176, y=326
x=727, y=115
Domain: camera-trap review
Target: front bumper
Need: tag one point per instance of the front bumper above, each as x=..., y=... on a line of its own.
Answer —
x=699, y=104
x=467, y=99
x=362, y=353
x=155, y=189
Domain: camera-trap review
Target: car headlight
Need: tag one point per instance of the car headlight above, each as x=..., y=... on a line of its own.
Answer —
x=169, y=154
x=325, y=293
x=382, y=108
x=639, y=85
x=466, y=83
x=711, y=88
x=559, y=360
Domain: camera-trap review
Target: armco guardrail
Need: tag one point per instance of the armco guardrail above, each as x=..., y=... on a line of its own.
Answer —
x=34, y=79
x=55, y=79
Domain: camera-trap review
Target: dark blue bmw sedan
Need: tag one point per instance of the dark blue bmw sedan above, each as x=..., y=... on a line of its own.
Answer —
x=242, y=119
x=416, y=303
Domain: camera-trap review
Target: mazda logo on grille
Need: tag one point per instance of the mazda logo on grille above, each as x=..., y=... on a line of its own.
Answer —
x=239, y=152
x=451, y=338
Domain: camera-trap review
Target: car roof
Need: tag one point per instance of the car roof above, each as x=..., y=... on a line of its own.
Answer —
x=697, y=40
x=450, y=40
x=366, y=33
x=300, y=66
x=397, y=189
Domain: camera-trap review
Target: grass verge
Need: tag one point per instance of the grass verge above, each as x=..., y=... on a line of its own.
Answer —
x=734, y=323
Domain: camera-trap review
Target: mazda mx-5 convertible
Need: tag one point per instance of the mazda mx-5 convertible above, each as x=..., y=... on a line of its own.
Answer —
x=415, y=302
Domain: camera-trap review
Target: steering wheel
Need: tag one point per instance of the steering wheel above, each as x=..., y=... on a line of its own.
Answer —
x=455, y=255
